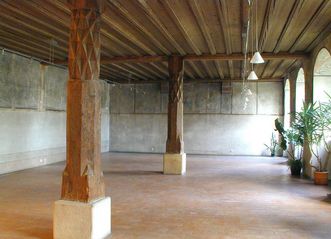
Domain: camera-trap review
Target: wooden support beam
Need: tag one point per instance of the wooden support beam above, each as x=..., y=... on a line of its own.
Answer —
x=174, y=160
x=241, y=57
x=82, y=178
x=200, y=80
x=175, y=139
x=194, y=57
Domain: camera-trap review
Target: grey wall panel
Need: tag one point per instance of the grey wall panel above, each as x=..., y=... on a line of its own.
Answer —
x=209, y=125
x=55, y=88
x=270, y=98
x=238, y=100
x=26, y=74
x=7, y=85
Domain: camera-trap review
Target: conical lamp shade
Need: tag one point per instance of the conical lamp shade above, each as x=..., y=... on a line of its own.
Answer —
x=257, y=58
x=252, y=76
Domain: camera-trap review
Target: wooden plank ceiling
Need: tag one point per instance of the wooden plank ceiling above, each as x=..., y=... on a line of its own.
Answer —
x=165, y=27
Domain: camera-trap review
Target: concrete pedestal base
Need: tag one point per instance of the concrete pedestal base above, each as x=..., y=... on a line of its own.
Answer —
x=73, y=220
x=174, y=163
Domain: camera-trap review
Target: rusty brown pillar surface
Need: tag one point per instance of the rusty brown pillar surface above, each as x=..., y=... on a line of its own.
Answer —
x=175, y=143
x=82, y=178
x=174, y=160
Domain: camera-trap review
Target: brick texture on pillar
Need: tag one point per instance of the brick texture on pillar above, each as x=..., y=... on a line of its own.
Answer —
x=174, y=161
x=82, y=178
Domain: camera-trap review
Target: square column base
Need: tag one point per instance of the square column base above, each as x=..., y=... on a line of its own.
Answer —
x=174, y=163
x=73, y=220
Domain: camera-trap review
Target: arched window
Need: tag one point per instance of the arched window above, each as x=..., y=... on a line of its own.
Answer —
x=300, y=90
x=322, y=76
x=287, y=104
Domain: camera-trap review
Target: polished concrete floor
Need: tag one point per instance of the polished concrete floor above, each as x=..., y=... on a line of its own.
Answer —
x=219, y=197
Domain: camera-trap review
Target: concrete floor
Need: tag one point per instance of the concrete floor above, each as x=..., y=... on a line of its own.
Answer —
x=220, y=197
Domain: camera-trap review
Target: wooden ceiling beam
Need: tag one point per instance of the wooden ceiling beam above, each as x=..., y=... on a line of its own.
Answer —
x=224, y=22
x=196, y=9
x=245, y=17
x=321, y=8
x=320, y=37
x=192, y=57
x=128, y=16
x=195, y=69
x=294, y=11
x=240, y=56
x=266, y=22
x=201, y=80
x=172, y=13
x=28, y=20
x=128, y=35
x=154, y=19
x=202, y=25
x=276, y=68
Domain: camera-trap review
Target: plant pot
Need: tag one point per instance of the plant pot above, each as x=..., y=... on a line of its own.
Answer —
x=272, y=154
x=295, y=166
x=321, y=178
x=295, y=170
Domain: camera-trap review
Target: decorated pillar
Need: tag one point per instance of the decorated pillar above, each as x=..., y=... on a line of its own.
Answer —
x=83, y=211
x=174, y=161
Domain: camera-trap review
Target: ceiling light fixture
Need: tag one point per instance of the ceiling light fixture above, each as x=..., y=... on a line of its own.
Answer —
x=252, y=76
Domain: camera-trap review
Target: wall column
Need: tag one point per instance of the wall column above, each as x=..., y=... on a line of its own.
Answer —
x=293, y=85
x=174, y=161
x=83, y=206
x=308, y=68
x=292, y=77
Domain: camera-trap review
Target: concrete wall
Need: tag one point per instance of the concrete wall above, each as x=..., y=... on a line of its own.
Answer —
x=215, y=121
x=32, y=113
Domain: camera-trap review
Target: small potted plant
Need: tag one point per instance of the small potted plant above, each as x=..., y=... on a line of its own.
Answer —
x=273, y=145
x=292, y=142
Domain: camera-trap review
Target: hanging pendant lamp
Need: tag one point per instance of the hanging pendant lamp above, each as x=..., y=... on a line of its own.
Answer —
x=252, y=76
x=257, y=58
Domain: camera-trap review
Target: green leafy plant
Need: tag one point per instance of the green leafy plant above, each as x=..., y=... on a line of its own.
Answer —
x=292, y=142
x=273, y=145
x=309, y=125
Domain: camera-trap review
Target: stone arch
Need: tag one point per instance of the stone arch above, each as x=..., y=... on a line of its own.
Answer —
x=322, y=76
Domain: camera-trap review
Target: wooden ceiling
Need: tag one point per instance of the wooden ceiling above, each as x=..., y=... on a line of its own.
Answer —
x=165, y=27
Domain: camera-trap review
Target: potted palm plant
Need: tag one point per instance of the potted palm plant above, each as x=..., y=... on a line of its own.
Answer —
x=310, y=122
